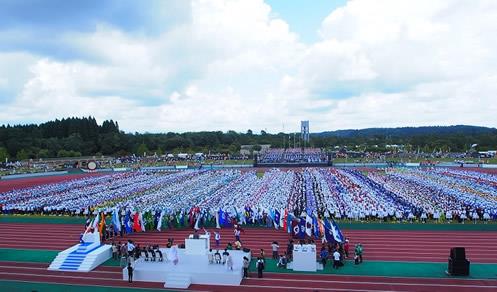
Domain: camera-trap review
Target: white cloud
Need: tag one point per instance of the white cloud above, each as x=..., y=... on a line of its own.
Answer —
x=234, y=65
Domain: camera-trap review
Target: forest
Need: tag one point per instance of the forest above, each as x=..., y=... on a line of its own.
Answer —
x=72, y=137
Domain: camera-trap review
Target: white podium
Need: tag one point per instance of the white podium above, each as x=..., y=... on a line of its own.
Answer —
x=304, y=258
x=82, y=257
x=198, y=246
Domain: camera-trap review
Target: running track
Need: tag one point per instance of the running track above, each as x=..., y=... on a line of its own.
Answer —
x=20, y=183
x=111, y=276
x=379, y=245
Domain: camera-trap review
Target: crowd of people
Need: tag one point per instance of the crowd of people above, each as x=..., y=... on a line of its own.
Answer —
x=401, y=194
x=293, y=155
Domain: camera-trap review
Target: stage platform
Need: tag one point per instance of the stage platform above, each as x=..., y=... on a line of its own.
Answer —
x=190, y=269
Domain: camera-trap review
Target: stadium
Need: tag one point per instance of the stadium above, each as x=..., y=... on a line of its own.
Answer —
x=393, y=226
x=248, y=145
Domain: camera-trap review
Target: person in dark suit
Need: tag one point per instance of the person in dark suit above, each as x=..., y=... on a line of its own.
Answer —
x=195, y=235
x=130, y=273
x=260, y=267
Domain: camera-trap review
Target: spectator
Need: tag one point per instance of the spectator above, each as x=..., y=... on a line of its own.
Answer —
x=130, y=273
x=245, y=265
x=274, y=248
x=324, y=256
x=336, y=259
x=260, y=267
x=358, y=252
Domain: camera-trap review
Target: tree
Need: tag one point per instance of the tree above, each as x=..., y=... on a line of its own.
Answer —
x=22, y=154
x=142, y=149
x=4, y=155
x=43, y=153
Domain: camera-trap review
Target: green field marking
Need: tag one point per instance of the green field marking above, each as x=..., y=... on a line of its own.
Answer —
x=405, y=226
x=344, y=224
x=21, y=286
x=42, y=219
x=391, y=269
x=27, y=255
x=37, y=256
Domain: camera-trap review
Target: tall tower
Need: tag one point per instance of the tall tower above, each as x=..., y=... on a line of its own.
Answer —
x=304, y=132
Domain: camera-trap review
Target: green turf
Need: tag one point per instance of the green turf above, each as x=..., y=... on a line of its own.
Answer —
x=27, y=255
x=17, y=286
x=37, y=256
x=344, y=224
x=41, y=219
x=392, y=269
x=468, y=226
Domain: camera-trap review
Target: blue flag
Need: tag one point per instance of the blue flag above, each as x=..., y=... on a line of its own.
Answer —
x=222, y=219
x=156, y=219
x=315, y=226
x=289, y=219
x=277, y=219
x=328, y=231
x=127, y=222
x=302, y=228
x=115, y=221
x=337, y=233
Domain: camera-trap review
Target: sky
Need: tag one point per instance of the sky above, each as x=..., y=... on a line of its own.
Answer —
x=179, y=65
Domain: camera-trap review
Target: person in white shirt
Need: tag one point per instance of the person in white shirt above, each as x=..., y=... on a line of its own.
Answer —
x=217, y=237
x=131, y=248
x=423, y=217
x=274, y=248
x=336, y=259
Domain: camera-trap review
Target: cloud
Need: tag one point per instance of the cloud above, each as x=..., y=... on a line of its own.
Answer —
x=220, y=65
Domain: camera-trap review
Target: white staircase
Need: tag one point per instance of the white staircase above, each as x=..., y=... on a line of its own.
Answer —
x=82, y=257
x=176, y=280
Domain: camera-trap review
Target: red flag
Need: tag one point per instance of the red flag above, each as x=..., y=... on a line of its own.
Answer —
x=285, y=218
x=136, y=223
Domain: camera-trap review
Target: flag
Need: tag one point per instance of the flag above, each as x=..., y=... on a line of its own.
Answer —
x=302, y=227
x=196, y=227
x=237, y=216
x=328, y=231
x=227, y=218
x=222, y=218
x=142, y=222
x=276, y=219
x=321, y=227
x=337, y=233
x=248, y=214
x=127, y=222
x=159, y=221
x=308, y=225
x=289, y=221
x=101, y=226
x=282, y=218
x=315, y=226
x=243, y=217
x=136, y=222
x=115, y=220
x=284, y=221
x=218, y=219
x=295, y=228
x=96, y=221
x=181, y=221
x=148, y=221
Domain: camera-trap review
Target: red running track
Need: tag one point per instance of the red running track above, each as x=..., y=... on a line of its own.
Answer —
x=112, y=277
x=20, y=183
x=380, y=245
